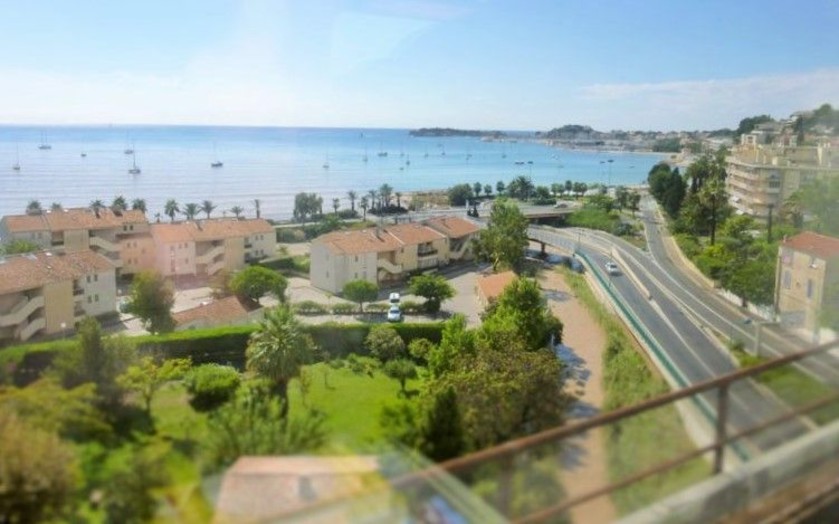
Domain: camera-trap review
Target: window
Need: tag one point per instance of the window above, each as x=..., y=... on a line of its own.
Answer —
x=96, y=278
x=96, y=298
x=89, y=299
x=787, y=279
x=172, y=249
x=88, y=279
x=356, y=258
x=809, y=288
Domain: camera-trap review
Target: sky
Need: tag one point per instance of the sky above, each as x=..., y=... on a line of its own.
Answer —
x=477, y=64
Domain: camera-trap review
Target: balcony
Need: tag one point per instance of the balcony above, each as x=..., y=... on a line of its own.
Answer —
x=21, y=311
x=390, y=267
x=104, y=244
x=33, y=327
x=426, y=253
x=209, y=256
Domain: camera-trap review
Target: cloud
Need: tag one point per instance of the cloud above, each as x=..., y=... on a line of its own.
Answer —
x=707, y=104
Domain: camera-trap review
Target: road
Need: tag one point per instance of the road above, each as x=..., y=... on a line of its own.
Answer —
x=691, y=350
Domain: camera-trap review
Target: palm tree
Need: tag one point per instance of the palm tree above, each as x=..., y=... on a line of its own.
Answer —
x=364, y=205
x=237, y=211
x=336, y=203
x=138, y=204
x=190, y=210
x=353, y=196
x=157, y=217
x=398, y=199
x=171, y=209
x=792, y=210
x=34, y=208
x=97, y=206
x=278, y=349
x=712, y=195
x=256, y=205
x=56, y=206
x=386, y=192
x=207, y=207
x=119, y=203
x=374, y=195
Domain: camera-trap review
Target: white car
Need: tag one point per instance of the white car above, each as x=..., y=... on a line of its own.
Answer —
x=612, y=268
x=394, y=299
x=394, y=314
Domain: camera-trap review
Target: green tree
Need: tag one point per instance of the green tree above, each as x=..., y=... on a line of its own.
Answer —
x=477, y=187
x=256, y=206
x=38, y=473
x=138, y=204
x=130, y=476
x=95, y=360
x=171, y=208
x=256, y=423
x=56, y=206
x=151, y=300
x=456, y=340
x=306, y=205
x=147, y=376
x=401, y=370
x=460, y=194
x=384, y=343
x=360, y=291
x=211, y=385
x=352, y=196
x=364, y=204
x=520, y=187
x=520, y=315
x=386, y=192
x=503, y=242
x=433, y=288
x=254, y=282
x=34, y=208
x=190, y=210
x=819, y=199
x=207, y=207
x=487, y=189
x=97, y=206
x=119, y=204
x=237, y=211
x=17, y=246
x=500, y=187
x=442, y=435
x=278, y=349
x=420, y=348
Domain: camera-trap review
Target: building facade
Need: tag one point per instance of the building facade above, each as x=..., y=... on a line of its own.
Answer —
x=762, y=177
x=47, y=293
x=388, y=254
x=807, y=279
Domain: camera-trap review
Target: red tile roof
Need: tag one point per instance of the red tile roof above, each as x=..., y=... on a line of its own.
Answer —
x=491, y=286
x=73, y=218
x=359, y=241
x=414, y=234
x=33, y=270
x=453, y=227
x=226, y=309
x=208, y=230
x=822, y=246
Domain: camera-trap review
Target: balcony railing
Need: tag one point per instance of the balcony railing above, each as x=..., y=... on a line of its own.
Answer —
x=389, y=266
x=209, y=256
x=426, y=253
x=103, y=243
x=33, y=327
x=498, y=466
x=21, y=311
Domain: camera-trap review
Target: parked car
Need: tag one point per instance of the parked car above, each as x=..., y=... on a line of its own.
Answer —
x=394, y=298
x=612, y=268
x=394, y=314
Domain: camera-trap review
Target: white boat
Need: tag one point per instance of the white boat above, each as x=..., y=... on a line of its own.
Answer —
x=44, y=144
x=134, y=169
x=216, y=162
x=16, y=165
x=129, y=147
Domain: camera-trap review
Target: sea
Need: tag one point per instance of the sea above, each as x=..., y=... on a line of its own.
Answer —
x=272, y=164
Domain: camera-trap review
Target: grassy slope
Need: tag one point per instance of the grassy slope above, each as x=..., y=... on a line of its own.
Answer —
x=643, y=441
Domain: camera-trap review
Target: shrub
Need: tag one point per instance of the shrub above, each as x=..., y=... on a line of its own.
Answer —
x=409, y=306
x=310, y=307
x=384, y=343
x=290, y=235
x=211, y=385
x=377, y=308
x=344, y=308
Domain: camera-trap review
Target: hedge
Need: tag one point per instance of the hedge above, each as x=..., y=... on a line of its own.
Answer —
x=222, y=345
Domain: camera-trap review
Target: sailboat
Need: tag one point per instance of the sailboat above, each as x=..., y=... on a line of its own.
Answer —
x=134, y=169
x=129, y=147
x=326, y=162
x=364, y=158
x=216, y=162
x=16, y=165
x=44, y=144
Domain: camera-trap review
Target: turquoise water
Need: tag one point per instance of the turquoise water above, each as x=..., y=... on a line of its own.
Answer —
x=273, y=164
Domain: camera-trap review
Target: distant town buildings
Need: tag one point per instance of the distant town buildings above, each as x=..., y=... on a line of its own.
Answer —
x=769, y=165
x=388, y=254
x=807, y=279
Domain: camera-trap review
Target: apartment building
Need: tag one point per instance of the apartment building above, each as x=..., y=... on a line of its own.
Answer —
x=120, y=236
x=388, y=254
x=205, y=247
x=807, y=279
x=46, y=293
x=761, y=177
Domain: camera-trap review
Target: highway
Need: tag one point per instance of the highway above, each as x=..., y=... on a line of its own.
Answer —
x=689, y=348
